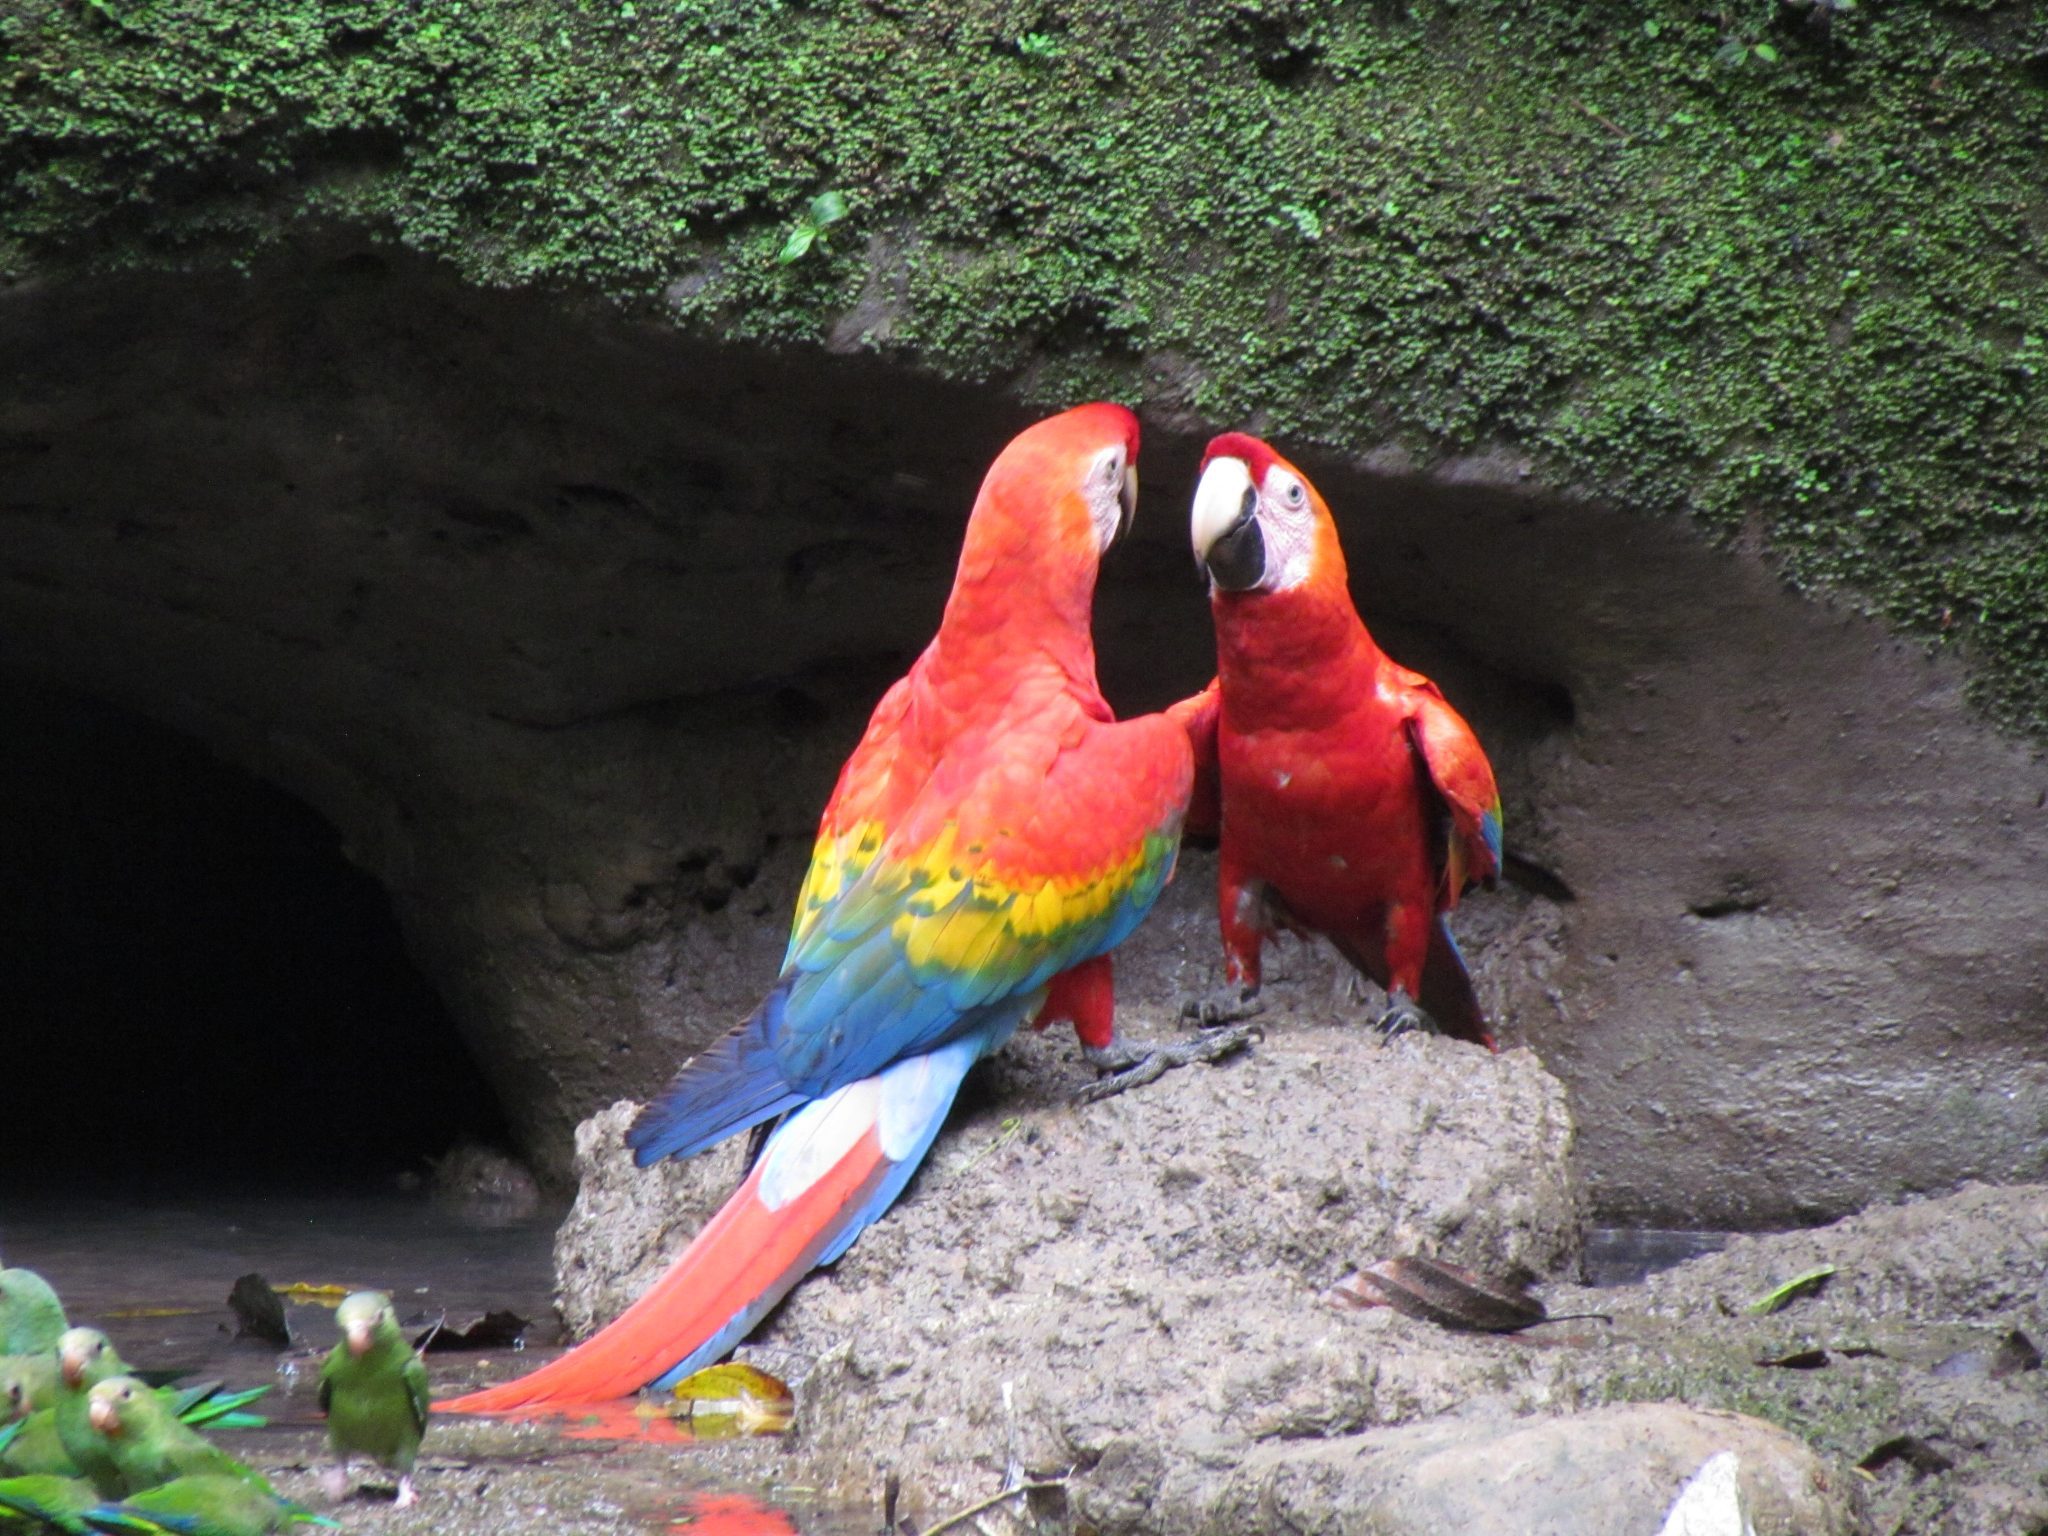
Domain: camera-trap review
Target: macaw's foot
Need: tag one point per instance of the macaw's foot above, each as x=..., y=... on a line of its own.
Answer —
x=1133, y=1067
x=1403, y=1017
x=1225, y=1003
x=405, y=1494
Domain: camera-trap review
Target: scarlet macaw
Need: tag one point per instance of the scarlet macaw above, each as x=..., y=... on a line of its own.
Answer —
x=995, y=834
x=1355, y=802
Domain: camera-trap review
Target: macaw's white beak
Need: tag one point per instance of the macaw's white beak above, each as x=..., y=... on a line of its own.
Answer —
x=1224, y=525
x=1128, y=496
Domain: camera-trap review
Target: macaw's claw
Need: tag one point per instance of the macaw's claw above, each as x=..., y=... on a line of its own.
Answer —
x=1132, y=1067
x=1222, y=1004
x=1403, y=1017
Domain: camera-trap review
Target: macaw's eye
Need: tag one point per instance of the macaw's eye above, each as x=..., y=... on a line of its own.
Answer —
x=1294, y=495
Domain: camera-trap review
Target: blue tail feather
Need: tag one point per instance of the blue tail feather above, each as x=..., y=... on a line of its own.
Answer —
x=735, y=1082
x=1447, y=995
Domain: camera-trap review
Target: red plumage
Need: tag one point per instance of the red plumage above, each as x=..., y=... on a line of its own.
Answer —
x=1355, y=802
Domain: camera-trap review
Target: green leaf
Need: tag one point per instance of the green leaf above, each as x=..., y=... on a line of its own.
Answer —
x=827, y=208
x=1767, y=53
x=1652, y=28
x=1779, y=1297
x=798, y=242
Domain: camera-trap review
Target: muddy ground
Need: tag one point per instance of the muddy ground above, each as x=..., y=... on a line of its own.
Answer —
x=1126, y=1300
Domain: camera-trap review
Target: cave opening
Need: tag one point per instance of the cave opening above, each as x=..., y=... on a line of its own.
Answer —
x=200, y=992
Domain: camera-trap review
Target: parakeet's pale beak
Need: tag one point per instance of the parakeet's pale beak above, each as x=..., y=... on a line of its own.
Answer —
x=1129, y=497
x=360, y=1337
x=72, y=1365
x=1224, y=525
x=105, y=1417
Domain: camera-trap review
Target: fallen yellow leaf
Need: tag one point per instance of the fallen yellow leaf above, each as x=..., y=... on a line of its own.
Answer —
x=319, y=1295
x=734, y=1399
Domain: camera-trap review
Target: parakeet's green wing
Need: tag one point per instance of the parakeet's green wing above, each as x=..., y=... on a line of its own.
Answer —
x=416, y=1390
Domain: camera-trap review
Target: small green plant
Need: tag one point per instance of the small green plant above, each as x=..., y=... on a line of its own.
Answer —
x=1305, y=220
x=1038, y=45
x=826, y=209
x=1740, y=51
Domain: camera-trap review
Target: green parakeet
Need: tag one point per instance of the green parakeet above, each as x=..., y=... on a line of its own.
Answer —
x=85, y=1358
x=52, y=1503
x=34, y=1450
x=27, y=1383
x=202, y=1506
x=31, y=1316
x=374, y=1390
x=149, y=1446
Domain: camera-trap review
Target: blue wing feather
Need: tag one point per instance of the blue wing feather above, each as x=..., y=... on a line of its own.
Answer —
x=733, y=1084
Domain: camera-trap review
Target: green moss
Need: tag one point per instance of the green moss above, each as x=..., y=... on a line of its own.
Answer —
x=1842, y=1411
x=1803, y=299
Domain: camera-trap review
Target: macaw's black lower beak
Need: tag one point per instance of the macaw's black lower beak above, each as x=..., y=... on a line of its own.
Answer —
x=1237, y=560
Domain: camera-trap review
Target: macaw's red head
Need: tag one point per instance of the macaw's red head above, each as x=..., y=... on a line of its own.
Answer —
x=1054, y=500
x=1258, y=525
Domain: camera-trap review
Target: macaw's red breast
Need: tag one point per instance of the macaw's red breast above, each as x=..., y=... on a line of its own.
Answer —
x=1355, y=801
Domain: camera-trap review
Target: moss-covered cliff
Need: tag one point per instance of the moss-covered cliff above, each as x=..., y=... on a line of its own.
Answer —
x=1778, y=266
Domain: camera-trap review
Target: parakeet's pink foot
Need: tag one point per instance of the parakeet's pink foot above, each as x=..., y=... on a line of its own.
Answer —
x=334, y=1481
x=405, y=1494
x=1133, y=1067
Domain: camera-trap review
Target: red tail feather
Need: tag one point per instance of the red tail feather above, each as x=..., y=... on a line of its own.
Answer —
x=746, y=1254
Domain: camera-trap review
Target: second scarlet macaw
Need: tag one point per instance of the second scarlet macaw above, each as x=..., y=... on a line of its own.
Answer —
x=995, y=834
x=1356, y=803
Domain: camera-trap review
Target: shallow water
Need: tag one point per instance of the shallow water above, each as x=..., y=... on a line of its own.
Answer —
x=156, y=1278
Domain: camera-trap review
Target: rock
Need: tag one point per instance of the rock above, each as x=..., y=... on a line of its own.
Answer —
x=1129, y=1293
x=484, y=1183
x=1143, y=1275
x=1612, y=1471
x=1978, y=1254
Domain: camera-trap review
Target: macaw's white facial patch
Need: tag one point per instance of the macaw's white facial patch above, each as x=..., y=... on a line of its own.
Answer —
x=1289, y=523
x=1111, y=492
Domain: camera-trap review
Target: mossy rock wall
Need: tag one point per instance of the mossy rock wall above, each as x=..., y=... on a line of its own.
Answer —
x=1777, y=265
